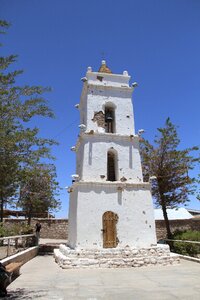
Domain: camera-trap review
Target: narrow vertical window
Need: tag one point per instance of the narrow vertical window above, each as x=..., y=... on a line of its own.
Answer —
x=111, y=166
x=109, y=119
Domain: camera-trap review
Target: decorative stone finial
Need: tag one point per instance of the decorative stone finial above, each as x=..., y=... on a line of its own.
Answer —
x=104, y=68
x=125, y=73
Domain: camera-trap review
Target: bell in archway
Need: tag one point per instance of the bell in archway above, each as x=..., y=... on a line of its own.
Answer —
x=109, y=117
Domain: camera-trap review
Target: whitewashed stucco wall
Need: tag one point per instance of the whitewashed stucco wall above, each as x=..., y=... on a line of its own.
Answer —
x=113, y=90
x=133, y=205
x=92, y=157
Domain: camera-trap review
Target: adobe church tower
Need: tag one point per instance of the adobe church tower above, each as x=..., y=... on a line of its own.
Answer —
x=110, y=205
x=111, y=219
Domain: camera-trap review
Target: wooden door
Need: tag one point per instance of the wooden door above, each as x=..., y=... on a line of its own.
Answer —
x=109, y=229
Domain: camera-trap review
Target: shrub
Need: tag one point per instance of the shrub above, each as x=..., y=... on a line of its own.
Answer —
x=16, y=229
x=3, y=230
x=184, y=248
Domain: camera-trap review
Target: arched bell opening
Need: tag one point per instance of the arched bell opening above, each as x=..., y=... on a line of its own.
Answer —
x=112, y=166
x=110, y=119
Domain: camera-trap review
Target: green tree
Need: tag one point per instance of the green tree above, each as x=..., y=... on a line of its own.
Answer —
x=8, y=165
x=198, y=192
x=170, y=166
x=20, y=145
x=39, y=190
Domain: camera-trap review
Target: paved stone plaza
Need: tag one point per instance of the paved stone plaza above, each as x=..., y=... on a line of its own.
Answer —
x=42, y=278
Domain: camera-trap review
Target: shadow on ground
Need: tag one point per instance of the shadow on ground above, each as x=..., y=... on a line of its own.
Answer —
x=26, y=294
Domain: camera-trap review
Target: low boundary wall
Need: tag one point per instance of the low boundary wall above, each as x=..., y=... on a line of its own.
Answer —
x=22, y=256
x=186, y=224
x=58, y=228
x=51, y=228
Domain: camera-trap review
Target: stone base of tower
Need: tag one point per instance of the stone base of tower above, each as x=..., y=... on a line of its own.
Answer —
x=114, y=258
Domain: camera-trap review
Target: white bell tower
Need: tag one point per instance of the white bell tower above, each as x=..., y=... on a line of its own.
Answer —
x=111, y=219
x=110, y=205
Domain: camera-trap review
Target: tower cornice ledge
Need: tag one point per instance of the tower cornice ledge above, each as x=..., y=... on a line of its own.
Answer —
x=107, y=136
x=108, y=76
x=117, y=184
x=107, y=86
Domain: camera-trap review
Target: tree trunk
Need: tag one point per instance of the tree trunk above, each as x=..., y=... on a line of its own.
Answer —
x=29, y=215
x=167, y=225
x=29, y=219
x=1, y=209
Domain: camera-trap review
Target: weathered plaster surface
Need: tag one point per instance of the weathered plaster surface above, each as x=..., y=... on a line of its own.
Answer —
x=99, y=117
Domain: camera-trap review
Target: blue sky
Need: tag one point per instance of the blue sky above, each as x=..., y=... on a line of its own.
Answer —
x=157, y=41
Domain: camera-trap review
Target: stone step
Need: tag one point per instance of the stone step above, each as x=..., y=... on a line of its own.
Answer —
x=47, y=248
x=110, y=253
x=113, y=258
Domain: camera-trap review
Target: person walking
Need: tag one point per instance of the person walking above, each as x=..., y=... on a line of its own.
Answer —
x=37, y=232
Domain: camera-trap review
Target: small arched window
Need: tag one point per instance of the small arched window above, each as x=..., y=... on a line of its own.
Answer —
x=109, y=119
x=111, y=165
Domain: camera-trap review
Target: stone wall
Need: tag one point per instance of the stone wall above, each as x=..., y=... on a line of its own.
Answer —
x=54, y=228
x=58, y=228
x=51, y=228
x=192, y=224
